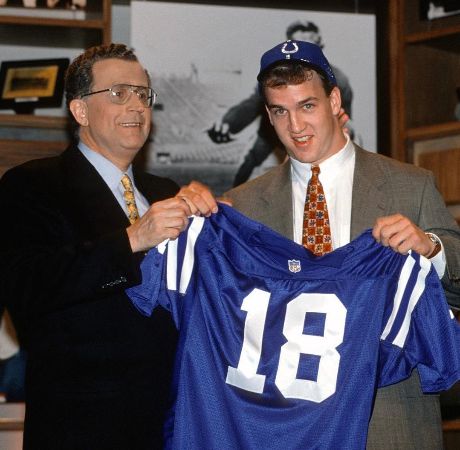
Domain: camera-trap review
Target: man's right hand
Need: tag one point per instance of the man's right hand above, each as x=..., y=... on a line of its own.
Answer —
x=163, y=220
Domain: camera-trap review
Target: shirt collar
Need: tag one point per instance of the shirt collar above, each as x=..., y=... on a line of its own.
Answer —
x=330, y=167
x=110, y=173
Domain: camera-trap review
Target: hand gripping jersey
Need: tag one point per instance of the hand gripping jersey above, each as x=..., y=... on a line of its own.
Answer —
x=280, y=349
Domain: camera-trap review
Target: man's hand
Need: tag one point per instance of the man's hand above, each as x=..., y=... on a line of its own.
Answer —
x=199, y=199
x=402, y=235
x=168, y=218
x=163, y=220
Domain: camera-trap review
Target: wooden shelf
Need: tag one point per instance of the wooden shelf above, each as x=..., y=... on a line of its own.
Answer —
x=97, y=16
x=93, y=21
x=414, y=23
x=451, y=425
x=17, y=151
x=91, y=27
x=33, y=121
x=11, y=424
x=424, y=76
x=432, y=34
x=26, y=136
x=12, y=416
x=433, y=131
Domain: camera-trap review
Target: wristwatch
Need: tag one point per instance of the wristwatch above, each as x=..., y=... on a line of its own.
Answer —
x=437, y=244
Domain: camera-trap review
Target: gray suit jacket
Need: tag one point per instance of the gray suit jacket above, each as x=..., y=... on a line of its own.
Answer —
x=381, y=187
x=403, y=417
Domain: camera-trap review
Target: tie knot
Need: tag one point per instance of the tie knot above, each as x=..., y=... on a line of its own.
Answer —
x=126, y=182
x=315, y=171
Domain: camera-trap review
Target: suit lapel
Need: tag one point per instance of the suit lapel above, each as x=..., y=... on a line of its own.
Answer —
x=278, y=200
x=147, y=186
x=369, y=200
x=91, y=202
x=154, y=188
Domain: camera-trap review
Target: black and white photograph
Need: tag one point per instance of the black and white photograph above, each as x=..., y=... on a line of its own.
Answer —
x=210, y=123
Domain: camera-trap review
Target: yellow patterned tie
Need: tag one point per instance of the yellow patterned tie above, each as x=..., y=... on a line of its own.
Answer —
x=316, y=235
x=128, y=195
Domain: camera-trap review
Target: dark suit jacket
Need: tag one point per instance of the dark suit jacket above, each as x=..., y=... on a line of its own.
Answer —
x=98, y=372
x=403, y=418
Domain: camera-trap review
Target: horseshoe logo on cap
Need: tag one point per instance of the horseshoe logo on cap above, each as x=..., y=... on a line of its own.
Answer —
x=287, y=52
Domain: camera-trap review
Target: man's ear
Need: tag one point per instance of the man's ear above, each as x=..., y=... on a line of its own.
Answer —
x=336, y=101
x=269, y=115
x=79, y=110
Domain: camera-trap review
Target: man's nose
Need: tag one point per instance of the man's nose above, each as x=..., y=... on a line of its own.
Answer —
x=296, y=124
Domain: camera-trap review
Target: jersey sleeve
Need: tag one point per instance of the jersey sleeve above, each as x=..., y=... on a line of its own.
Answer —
x=422, y=333
x=145, y=296
x=167, y=272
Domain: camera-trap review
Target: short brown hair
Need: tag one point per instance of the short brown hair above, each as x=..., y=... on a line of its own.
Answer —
x=79, y=75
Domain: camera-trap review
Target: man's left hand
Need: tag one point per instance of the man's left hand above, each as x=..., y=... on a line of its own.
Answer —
x=402, y=235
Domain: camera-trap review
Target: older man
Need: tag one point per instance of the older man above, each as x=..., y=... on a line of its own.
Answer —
x=98, y=373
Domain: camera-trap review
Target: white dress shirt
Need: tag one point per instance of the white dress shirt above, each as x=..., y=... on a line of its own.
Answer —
x=112, y=176
x=336, y=176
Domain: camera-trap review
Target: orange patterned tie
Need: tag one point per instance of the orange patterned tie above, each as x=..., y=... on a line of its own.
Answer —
x=128, y=195
x=316, y=234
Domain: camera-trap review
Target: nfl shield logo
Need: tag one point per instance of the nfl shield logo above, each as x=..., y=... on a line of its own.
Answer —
x=294, y=265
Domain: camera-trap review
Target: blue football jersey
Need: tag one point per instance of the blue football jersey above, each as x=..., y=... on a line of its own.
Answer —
x=280, y=349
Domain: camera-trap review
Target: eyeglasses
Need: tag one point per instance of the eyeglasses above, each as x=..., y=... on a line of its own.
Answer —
x=121, y=93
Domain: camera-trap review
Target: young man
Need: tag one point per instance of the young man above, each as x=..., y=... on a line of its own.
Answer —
x=244, y=113
x=363, y=190
x=98, y=373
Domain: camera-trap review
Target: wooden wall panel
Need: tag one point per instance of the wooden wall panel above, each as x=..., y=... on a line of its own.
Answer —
x=445, y=165
x=14, y=152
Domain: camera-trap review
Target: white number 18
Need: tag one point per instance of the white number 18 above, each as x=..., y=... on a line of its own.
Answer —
x=245, y=376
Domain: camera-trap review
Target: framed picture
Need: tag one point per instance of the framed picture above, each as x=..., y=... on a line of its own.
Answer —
x=27, y=85
x=212, y=125
x=438, y=8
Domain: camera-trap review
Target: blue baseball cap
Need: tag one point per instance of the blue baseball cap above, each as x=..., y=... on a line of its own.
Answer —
x=297, y=51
